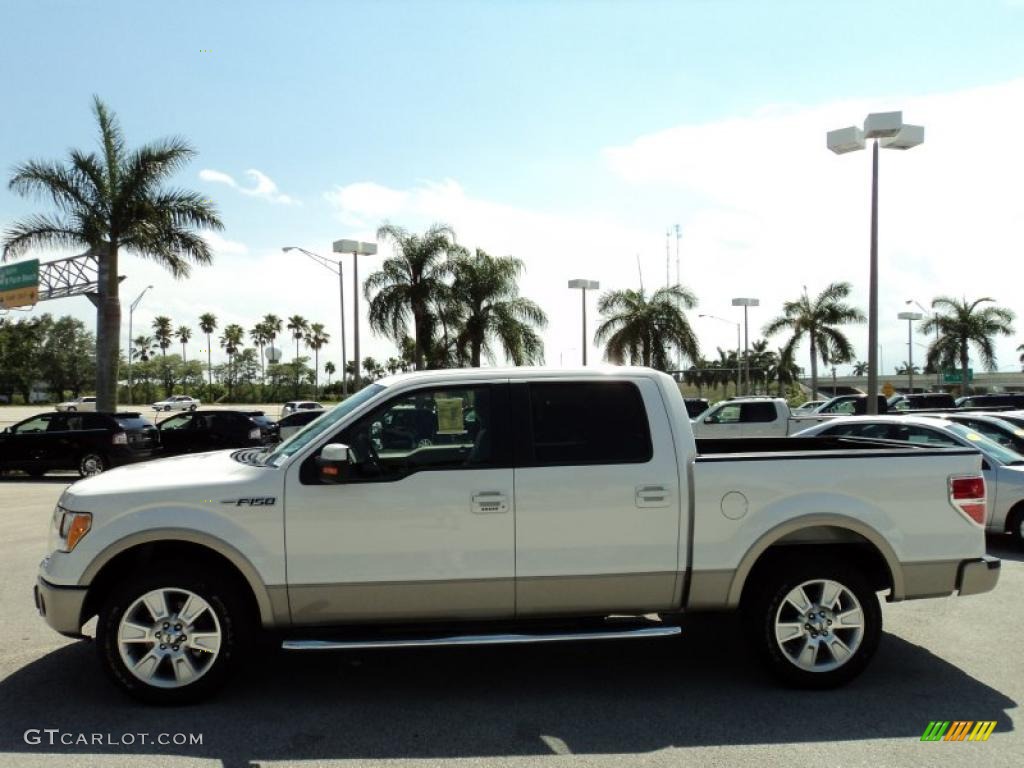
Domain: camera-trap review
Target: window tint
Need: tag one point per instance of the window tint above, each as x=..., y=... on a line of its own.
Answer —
x=133, y=422
x=757, y=412
x=877, y=431
x=727, y=414
x=588, y=423
x=923, y=436
x=183, y=421
x=432, y=429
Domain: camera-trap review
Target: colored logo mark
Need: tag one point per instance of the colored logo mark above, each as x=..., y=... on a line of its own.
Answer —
x=958, y=730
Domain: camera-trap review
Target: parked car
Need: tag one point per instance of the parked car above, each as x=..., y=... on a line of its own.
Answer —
x=1003, y=467
x=209, y=430
x=568, y=499
x=78, y=404
x=292, y=406
x=177, y=403
x=849, y=405
x=1011, y=399
x=88, y=442
x=293, y=422
x=695, y=406
x=809, y=407
x=918, y=401
x=992, y=426
x=764, y=417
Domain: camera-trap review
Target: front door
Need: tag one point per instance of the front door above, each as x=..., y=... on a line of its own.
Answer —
x=597, y=498
x=421, y=526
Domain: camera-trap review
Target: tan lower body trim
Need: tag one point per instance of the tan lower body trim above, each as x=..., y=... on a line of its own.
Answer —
x=709, y=590
x=933, y=579
x=630, y=593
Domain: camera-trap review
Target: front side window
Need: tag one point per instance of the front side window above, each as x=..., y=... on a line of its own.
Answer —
x=183, y=421
x=602, y=422
x=442, y=428
x=36, y=424
x=923, y=436
x=727, y=414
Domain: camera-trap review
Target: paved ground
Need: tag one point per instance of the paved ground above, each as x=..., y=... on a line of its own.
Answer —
x=694, y=701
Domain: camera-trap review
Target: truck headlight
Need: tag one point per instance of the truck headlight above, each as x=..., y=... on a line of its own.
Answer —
x=70, y=527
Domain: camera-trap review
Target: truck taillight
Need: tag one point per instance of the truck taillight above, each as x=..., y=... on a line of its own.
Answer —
x=119, y=438
x=968, y=495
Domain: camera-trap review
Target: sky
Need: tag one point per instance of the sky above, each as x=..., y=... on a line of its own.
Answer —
x=574, y=135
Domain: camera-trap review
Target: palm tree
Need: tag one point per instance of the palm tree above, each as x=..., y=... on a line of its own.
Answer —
x=905, y=368
x=163, y=333
x=208, y=324
x=819, y=320
x=1021, y=358
x=111, y=201
x=231, y=341
x=299, y=326
x=184, y=333
x=316, y=338
x=407, y=283
x=329, y=369
x=486, y=288
x=860, y=368
x=258, y=336
x=961, y=324
x=784, y=369
x=638, y=329
x=272, y=325
x=143, y=348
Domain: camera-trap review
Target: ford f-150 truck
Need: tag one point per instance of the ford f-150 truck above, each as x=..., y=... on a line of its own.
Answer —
x=526, y=505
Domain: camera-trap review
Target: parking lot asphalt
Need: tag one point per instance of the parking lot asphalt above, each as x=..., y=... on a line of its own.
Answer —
x=696, y=700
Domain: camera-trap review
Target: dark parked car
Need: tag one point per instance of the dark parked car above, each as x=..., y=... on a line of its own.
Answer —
x=88, y=442
x=198, y=431
x=293, y=422
x=1004, y=399
x=918, y=401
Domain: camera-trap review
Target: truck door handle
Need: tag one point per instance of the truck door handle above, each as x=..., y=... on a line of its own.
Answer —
x=489, y=503
x=652, y=496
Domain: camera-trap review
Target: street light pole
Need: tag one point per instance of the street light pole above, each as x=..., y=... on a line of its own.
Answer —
x=356, y=248
x=910, y=317
x=745, y=303
x=739, y=348
x=887, y=130
x=926, y=313
x=131, y=311
x=584, y=286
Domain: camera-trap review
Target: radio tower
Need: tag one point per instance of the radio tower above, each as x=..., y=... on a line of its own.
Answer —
x=678, y=235
x=668, y=278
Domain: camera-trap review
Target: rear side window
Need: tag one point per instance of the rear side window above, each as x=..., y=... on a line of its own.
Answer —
x=757, y=412
x=133, y=422
x=588, y=423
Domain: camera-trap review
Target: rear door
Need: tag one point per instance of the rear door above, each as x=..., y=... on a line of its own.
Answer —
x=177, y=434
x=597, y=498
x=760, y=419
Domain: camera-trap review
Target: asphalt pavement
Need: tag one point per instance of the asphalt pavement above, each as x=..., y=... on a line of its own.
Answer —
x=696, y=700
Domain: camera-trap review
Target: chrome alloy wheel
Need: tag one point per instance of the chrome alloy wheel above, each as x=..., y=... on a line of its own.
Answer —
x=169, y=638
x=819, y=625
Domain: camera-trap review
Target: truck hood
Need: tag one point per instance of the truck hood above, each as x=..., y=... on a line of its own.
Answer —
x=195, y=475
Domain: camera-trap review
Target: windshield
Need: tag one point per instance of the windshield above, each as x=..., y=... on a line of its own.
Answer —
x=990, y=448
x=325, y=423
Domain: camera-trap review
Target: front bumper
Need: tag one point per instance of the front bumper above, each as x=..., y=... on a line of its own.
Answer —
x=977, y=576
x=61, y=607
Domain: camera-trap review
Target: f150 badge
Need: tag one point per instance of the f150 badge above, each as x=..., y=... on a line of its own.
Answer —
x=255, y=501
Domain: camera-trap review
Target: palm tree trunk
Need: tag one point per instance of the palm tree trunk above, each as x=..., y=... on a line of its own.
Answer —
x=422, y=332
x=963, y=369
x=209, y=366
x=316, y=371
x=814, y=368
x=108, y=328
x=476, y=347
x=263, y=374
x=183, y=359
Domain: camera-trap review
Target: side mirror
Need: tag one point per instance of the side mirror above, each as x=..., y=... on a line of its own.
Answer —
x=332, y=462
x=709, y=419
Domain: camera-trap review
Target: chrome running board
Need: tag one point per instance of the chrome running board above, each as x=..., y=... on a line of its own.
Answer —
x=496, y=639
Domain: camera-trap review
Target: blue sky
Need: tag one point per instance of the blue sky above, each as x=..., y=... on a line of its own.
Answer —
x=522, y=123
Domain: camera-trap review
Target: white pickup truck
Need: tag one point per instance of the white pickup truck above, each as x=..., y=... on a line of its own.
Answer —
x=507, y=506
x=767, y=417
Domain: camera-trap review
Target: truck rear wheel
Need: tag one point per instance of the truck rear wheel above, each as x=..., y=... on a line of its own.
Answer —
x=815, y=624
x=170, y=639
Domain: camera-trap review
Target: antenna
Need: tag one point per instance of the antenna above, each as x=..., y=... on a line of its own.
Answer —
x=668, y=279
x=679, y=279
x=641, y=271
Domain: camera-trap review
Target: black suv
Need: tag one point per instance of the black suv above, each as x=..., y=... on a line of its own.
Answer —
x=88, y=442
x=919, y=401
x=209, y=430
x=1001, y=400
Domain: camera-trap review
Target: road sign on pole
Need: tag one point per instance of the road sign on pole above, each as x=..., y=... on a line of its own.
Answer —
x=19, y=284
x=955, y=377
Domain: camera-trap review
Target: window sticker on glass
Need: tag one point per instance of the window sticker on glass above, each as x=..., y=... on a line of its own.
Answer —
x=449, y=416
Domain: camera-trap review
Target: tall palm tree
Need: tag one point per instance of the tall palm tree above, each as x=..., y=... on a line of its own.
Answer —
x=819, y=321
x=142, y=348
x=486, y=288
x=231, y=341
x=642, y=329
x=163, y=332
x=329, y=369
x=316, y=338
x=273, y=325
x=184, y=333
x=299, y=326
x=860, y=368
x=259, y=337
x=208, y=324
x=111, y=201
x=960, y=325
x=406, y=284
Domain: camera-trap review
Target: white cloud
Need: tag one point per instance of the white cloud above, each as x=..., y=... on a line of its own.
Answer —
x=365, y=203
x=221, y=246
x=264, y=187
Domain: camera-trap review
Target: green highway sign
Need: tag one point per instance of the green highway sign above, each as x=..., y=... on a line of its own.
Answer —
x=955, y=377
x=19, y=284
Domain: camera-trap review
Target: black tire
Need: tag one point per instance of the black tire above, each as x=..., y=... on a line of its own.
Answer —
x=167, y=408
x=192, y=407
x=35, y=472
x=1015, y=525
x=92, y=463
x=72, y=409
x=769, y=602
x=209, y=584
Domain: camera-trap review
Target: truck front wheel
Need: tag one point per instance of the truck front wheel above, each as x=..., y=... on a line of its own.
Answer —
x=815, y=624
x=165, y=638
